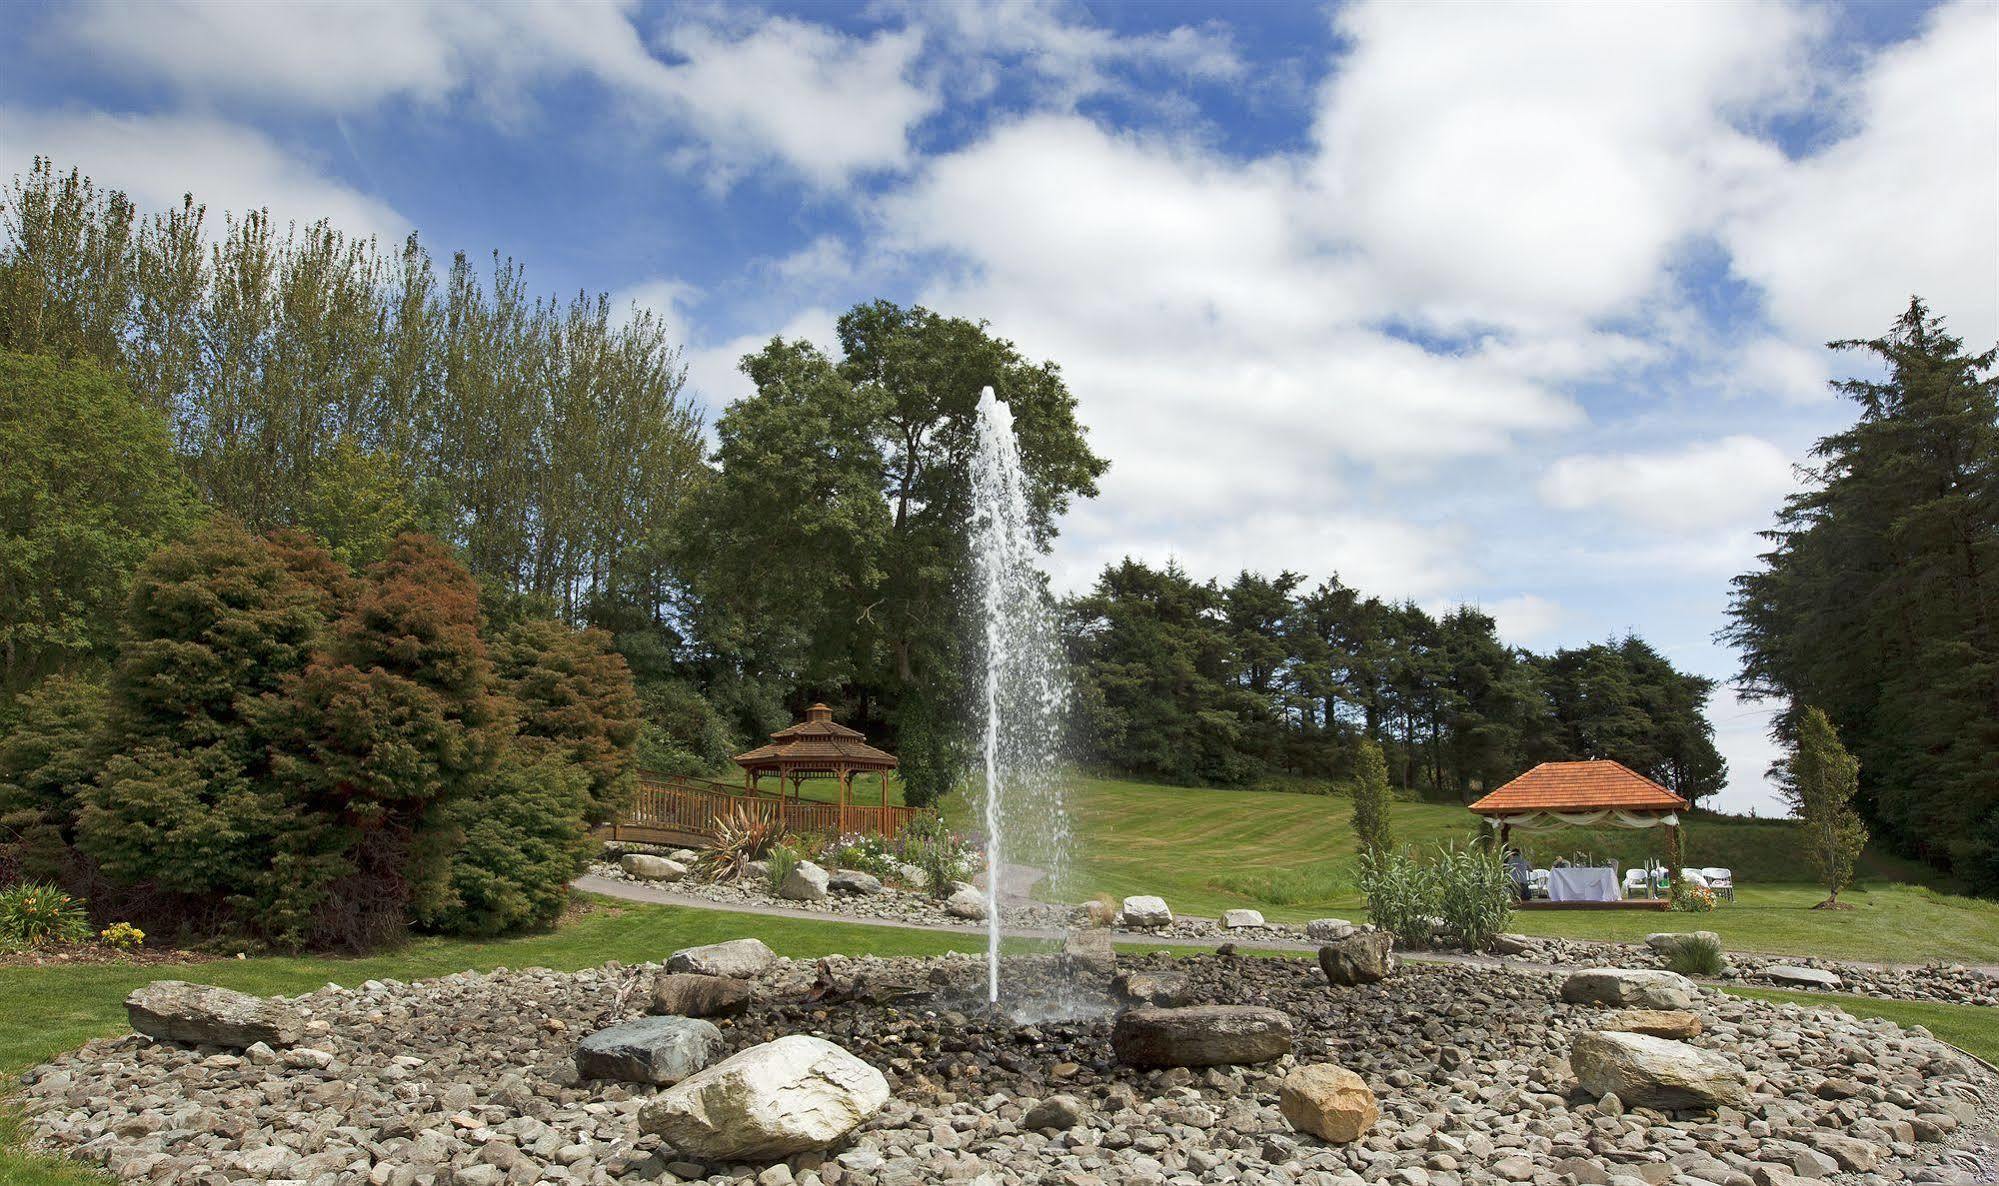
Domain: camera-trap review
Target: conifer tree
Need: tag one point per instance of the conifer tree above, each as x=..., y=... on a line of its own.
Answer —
x=1370, y=799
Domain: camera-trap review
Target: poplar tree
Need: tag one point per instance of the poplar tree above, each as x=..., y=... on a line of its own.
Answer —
x=1823, y=779
x=1370, y=799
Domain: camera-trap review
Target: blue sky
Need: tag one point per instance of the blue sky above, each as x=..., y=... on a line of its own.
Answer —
x=1520, y=305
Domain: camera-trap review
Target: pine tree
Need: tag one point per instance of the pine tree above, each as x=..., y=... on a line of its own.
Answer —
x=1824, y=778
x=1370, y=799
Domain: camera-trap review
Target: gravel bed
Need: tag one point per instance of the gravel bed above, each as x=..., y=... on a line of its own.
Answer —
x=468, y=1080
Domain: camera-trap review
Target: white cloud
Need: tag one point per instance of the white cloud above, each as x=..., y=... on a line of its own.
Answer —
x=1906, y=204
x=1526, y=620
x=1742, y=734
x=1529, y=163
x=1796, y=374
x=1703, y=487
x=1070, y=60
x=826, y=104
x=157, y=159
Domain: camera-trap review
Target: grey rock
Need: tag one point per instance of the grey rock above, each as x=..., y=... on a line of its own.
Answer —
x=795, y=1094
x=1146, y=912
x=1363, y=957
x=176, y=1011
x=1239, y=920
x=1636, y=988
x=1164, y=989
x=687, y=994
x=1804, y=977
x=1200, y=1036
x=1324, y=929
x=742, y=958
x=805, y=883
x=651, y=868
x=649, y=1050
x=967, y=903
x=1057, y=1111
x=854, y=881
x=1656, y=1072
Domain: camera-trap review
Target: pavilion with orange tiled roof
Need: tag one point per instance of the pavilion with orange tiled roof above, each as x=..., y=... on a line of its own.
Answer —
x=1596, y=793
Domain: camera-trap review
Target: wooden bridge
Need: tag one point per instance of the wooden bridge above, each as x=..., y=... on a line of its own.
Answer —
x=674, y=809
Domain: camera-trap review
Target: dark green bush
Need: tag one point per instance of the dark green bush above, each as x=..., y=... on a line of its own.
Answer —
x=571, y=689
x=51, y=747
x=524, y=842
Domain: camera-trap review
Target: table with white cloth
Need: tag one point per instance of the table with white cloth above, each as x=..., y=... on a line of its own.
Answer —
x=1584, y=885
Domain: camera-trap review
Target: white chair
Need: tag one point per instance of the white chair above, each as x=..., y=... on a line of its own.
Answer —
x=1721, y=881
x=1692, y=877
x=1537, y=883
x=1636, y=883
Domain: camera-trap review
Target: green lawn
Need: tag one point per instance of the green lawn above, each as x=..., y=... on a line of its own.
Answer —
x=1293, y=857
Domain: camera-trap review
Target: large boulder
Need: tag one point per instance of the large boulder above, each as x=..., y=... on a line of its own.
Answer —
x=201, y=1014
x=1651, y=1072
x=1241, y=920
x=649, y=1050
x=1325, y=930
x=967, y=903
x=1363, y=957
x=1328, y=1101
x=741, y=958
x=685, y=994
x=1802, y=977
x=647, y=867
x=1146, y=912
x=853, y=881
x=805, y=883
x=1090, y=949
x=782, y=1098
x=1167, y=990
x=1680, y=1024
x=1057, y=1111
x=1200, y=1036
x=1636, y=988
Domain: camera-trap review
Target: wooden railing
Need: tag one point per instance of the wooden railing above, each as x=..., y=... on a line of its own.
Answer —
x=673, y=809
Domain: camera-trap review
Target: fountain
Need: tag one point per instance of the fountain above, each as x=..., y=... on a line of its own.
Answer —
x=1022, y=691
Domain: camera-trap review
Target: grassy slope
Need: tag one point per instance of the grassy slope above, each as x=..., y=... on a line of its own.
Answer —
x=1292, y=856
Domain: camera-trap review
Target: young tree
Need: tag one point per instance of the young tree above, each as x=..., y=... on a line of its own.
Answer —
x=1370, y=799
x=572, y=690
x=51, y=747
x=1823, y=780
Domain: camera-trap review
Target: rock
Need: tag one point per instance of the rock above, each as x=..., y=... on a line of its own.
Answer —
x=1328, y=1101
x=1164, y=989
x=1651, y=1072
x=967, y=903
x=1511, y=944
x=853, y=881
x=1851, y=1153
x=789, y=1096
x=685, y=856
x=647, y=867
x=742, y=958
x=1807, y=977
x=1363, y=957
x=1680, y=1024
x=1667, y=942
x=686, y=994
x=805, y=883
x=176, y=1011
x=1237, y=920
x=1200, y=1036
x=1146, y=912
x=1323, y=929
x=1057, y=1111
x=649, y=1050
x=1091, y=949
x=1640, y=988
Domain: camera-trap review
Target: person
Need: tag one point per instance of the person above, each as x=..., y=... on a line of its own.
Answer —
x=1517, y=866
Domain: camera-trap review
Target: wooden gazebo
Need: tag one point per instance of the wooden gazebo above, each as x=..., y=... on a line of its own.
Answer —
x=815, y=748
x=1598, y=793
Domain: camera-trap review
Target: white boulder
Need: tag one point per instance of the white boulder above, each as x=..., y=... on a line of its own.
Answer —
x=741, y=958
x=1146, y=912
x=1652, y=1072
x=806, y=882
x=966, y=903
x=790, y=1096
x=1239, y=920
x=1630, y=988
x=647, y=867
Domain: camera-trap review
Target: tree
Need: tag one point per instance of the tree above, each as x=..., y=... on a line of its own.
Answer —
x=380, y=739
x=570, y=689
x=1370, y=799
x=521, y=839
x=88, y=489
x=51, y=747
x=1823, y=781
x=1878, y=600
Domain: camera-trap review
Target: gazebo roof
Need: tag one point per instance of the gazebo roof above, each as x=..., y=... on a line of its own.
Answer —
x=1580, y=786
x=816, y=744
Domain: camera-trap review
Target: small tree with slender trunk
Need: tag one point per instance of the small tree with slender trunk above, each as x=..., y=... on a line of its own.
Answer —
x=1824, y=778
x=1370, y=798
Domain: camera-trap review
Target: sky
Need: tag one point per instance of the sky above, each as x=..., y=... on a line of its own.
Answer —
x=1519, y=305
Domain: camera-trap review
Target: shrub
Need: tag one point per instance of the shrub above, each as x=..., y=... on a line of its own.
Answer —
x=572, y=689
x=1462, y=899
x=783, y=858
x=1690, y=897
x=1370, y=797
x=944, y=858
x=122, y=936
x=51, y=749
x=868, y=854
x=524, y=841
x=35, y=912
x=1697, y=955
x=742, y=834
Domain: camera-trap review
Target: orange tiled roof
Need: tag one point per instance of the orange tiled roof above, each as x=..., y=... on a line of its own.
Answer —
x=1576, y=786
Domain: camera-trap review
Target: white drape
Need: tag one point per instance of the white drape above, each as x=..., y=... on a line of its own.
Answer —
x=1548, y=821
